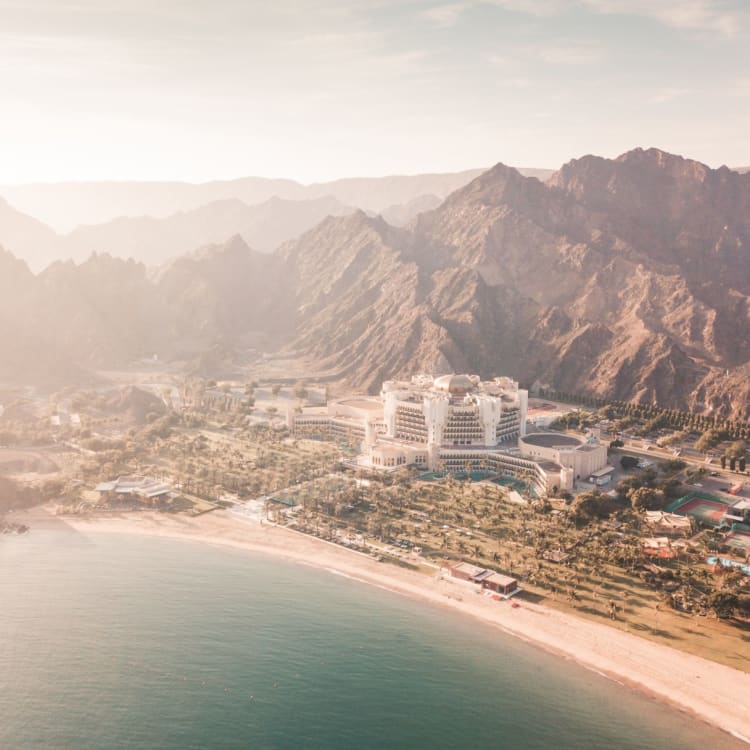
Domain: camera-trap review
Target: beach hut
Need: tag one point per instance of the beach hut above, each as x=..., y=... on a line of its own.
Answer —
x=467, y=572
x=500, y=584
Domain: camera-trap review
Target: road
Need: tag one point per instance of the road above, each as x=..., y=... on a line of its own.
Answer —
x=720, y=483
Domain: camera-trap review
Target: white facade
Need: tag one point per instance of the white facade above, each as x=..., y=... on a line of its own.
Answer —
x=583, y=457
x=450, y=423
x=453, y=411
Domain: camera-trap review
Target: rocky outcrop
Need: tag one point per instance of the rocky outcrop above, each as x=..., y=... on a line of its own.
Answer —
x=626, y=278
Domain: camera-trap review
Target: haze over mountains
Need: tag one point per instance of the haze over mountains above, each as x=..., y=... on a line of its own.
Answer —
x=153, y=222
x=66, y=205
x=624, y=277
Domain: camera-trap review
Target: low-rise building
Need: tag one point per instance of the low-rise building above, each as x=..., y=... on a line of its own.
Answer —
x=738, y=513
x=141, y=489
x=659, y=547
x=584, y=457
x=669, y=524
x=467, y=572
x=487, y=579
x=500, y=584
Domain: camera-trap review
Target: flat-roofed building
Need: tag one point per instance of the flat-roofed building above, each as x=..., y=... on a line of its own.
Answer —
x=584, y=457
x=487, y=579
x=143, y=489
x=500, y=584
x=466, y=571
x=349, y=421
x=739, y=512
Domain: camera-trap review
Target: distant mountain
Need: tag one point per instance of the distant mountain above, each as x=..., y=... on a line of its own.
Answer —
x=401, y=214
x=153, y=222
x=223, y=293
x=104, y=312
x=153, y=241
x=378, y=193
x=624, y=277
x=67, y=205
x=31, y=352
x=27, y=238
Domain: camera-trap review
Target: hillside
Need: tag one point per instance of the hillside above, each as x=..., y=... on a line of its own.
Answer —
x=31, y=350
x=622, y=277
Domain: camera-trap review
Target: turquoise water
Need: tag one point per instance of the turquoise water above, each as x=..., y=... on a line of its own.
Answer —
x=122, y=642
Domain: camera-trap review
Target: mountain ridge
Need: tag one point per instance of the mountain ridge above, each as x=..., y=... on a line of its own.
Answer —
x=67, y=205
x=624, y=278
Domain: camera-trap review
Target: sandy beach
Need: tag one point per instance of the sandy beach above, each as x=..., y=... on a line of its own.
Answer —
x=712, y=692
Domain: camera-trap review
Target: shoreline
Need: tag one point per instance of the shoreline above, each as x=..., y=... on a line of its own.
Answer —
x=711, y=692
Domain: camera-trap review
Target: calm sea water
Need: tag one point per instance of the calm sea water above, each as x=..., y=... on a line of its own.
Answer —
x=121, y=642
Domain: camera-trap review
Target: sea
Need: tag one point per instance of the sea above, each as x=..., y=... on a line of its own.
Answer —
x=110, y=642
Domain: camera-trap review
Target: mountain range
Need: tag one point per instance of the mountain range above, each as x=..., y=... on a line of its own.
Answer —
x=623, y=277
x=154, y=222
x=66, y=205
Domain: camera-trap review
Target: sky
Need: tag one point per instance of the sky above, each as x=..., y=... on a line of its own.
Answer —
x=318, y=89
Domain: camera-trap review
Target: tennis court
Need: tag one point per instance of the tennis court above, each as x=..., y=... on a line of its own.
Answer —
x=707, y=509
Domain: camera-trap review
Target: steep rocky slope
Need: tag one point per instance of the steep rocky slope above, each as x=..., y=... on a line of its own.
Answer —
x=625, y=277
x=104, y=312
x=225, y=293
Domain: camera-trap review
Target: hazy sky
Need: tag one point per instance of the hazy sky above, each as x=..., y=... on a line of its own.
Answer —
x=318, y=89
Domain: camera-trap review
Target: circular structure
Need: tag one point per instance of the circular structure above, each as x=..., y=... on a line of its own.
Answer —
x=454, y=383
x=583, y=457
x=551, y=440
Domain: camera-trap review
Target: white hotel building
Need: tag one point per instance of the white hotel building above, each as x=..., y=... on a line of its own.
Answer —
x=451, y=423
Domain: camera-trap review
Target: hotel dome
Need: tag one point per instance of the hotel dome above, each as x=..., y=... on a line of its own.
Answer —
x=454, y=383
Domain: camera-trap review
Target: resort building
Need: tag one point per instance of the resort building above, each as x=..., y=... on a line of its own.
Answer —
x=487, y=579
x=453, y=423
x=500, y=584
x=140, y=489
x=585, y=458
x=351, y=421
x=467, y=572
x=669, y=524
